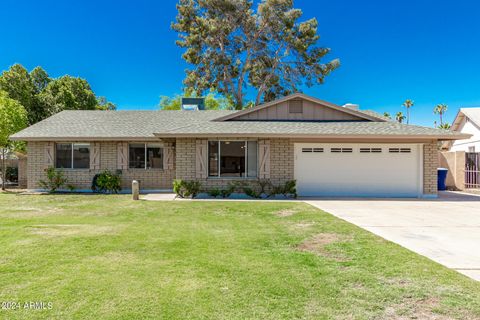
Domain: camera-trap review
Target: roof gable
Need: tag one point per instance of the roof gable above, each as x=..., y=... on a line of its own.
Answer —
x=472, y=114
x=300, y=107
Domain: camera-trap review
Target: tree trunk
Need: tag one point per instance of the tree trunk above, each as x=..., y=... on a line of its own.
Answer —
x=3, y=169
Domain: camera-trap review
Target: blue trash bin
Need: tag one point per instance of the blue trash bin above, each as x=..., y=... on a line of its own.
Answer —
x=442, y=178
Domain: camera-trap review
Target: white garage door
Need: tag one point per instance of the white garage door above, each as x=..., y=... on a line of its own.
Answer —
x=376, y=170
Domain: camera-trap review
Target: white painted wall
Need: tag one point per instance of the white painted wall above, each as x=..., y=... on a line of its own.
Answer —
x=359, y=174
x=474, y=141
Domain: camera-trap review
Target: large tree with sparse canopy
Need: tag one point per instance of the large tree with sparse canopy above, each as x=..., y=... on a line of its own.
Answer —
x=230, y=45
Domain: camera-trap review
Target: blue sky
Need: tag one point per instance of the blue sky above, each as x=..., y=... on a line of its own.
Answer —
x=427, y=51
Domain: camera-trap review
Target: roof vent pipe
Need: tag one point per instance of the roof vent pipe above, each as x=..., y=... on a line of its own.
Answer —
x=351, y=106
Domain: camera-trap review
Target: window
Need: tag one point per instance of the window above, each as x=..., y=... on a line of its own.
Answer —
x=145, y=156
x=341, y=150
x=312, y=149
x=295, y=106
x=399, y=150
x=72, y=155
x=232, y=158
x=370, y=150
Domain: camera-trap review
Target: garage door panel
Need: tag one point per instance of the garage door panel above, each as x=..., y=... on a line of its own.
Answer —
x=355, y=173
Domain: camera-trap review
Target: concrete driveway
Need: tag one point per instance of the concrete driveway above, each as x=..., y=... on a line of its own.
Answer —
x=446, y=230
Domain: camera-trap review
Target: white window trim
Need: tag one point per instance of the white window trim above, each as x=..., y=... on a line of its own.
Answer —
x=218, y=176
x=161, y=146
x=71, y=162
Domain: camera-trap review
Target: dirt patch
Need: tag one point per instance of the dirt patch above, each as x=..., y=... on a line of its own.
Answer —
x=28, y=212
x=285, y=213
x=318, y=245
x=415, y=309
x=65, y=230
x=302, y=225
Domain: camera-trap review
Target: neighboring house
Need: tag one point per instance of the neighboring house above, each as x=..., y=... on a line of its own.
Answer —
x=328, y=149
x=467, y=121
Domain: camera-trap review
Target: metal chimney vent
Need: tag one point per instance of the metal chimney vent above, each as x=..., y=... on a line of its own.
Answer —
x=193, y=104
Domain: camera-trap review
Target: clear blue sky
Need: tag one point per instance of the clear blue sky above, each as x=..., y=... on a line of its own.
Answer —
x=427, y=51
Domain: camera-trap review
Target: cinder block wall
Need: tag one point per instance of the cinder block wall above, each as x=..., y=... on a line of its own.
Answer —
x=82, y=178
x=281, y=163
x=430, y=165
x=455, y=163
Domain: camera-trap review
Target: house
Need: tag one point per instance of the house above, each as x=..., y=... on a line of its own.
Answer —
x=328, y=149
x=467, y=121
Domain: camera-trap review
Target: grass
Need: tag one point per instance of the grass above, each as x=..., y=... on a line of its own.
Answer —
x=107, y=257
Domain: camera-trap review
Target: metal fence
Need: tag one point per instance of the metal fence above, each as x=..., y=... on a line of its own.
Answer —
x=472, y=170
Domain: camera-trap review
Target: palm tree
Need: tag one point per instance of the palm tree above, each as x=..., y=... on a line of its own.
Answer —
x=407, y=104
x=387, y=115
x=445, y=126
x=440, y=109
x=399, y=117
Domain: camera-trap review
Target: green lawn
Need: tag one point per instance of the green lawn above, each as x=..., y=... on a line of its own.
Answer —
x=107, y=257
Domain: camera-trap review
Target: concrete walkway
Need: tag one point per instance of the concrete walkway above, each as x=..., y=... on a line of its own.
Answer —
x=446, y=230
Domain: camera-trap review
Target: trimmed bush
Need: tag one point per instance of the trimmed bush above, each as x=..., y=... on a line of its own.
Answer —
x=215, y=192
x=107, y=182
x=185, y=188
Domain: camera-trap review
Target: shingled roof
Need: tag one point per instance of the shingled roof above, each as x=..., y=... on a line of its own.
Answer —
x=151, y=125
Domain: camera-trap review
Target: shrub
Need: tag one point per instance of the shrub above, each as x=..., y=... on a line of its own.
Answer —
x=184, y=188
x=107, y=182
x=55, y=180
x=252, y=192
x=215, y=192
x=287, y=189
x=232, y=186
x=258, y=189
x=71, y=187
x=11, y=174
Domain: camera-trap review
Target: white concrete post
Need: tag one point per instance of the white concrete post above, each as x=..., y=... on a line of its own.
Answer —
x=135, y=189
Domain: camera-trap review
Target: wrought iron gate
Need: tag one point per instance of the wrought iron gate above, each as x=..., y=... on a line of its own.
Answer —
x=472, y=170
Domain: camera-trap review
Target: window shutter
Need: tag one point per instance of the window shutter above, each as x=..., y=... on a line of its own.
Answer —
x=122, y=155
x=264, y=159
x=201, y=159
x=168, y=157
x=95, y=156
x=49, y=154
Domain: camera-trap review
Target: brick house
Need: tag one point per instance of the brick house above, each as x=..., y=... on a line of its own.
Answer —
x=329, y=150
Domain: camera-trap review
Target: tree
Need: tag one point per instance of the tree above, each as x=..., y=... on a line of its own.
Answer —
x=408, y=104
x=231, y=46
x=387, y=115
x=445, y=126
x=17, y=83
x=13, y=118
x=103, y=104
x=440, y=109
x=399, y=117
x=212, y=101
x=43, y=96
x=39, y=78
x=68, y=93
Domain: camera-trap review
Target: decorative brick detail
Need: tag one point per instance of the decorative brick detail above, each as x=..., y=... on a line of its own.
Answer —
x=281, y=163
x=82, y=178
x=430, y=165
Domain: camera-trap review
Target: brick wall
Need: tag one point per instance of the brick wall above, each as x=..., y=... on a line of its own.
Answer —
x=82, y=178
x=22, y=172
x=430, y=165
x=281, y=163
